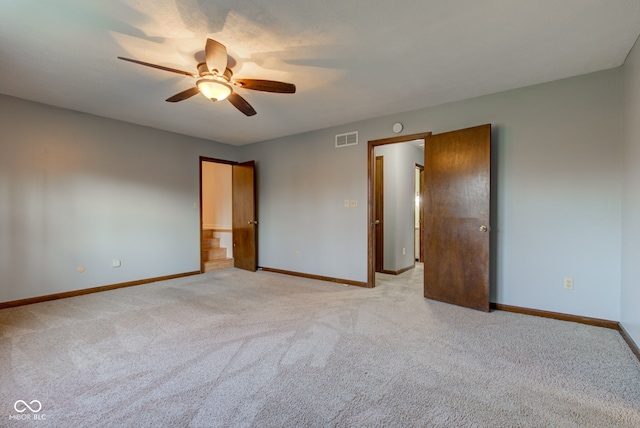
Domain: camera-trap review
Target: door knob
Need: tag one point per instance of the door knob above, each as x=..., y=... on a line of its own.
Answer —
x=377, y=222
x=253, y=222
x=484, y=228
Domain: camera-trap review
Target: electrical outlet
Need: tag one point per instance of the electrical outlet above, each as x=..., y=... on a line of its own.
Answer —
x=116, y=263
x=354, y=203
x=568, y=283
x=346, y=203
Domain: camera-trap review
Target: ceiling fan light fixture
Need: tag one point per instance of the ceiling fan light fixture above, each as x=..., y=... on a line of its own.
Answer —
x=214, y=79
x=215, y=90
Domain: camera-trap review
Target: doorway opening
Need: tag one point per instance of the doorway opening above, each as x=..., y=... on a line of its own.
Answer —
x=228, y=215
x=457, y=205
x=419, y=212
x=216, y=217
x=394, y=165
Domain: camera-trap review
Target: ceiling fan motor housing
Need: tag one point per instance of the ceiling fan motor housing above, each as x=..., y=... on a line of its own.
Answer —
x=203, y=71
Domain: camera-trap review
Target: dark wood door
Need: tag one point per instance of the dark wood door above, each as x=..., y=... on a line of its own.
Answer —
x=379, y=212
x=244, y=216
x=457, y=194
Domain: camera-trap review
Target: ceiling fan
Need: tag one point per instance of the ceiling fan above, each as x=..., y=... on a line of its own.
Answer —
x=216, y=82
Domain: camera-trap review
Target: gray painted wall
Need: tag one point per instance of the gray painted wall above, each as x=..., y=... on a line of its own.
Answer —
x=557, y=184
x=399, y=203
x=630, y=302
x=80, y=190
x=304, y=226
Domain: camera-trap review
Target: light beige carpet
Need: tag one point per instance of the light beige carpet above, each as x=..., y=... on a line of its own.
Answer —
x=236, y=349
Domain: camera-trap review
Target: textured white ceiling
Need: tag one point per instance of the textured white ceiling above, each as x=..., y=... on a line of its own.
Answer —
x=350, y=59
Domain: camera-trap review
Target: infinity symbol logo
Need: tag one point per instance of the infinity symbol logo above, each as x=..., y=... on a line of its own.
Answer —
x=24, y=406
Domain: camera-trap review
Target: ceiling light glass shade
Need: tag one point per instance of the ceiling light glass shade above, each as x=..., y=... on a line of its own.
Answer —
x=215, y=90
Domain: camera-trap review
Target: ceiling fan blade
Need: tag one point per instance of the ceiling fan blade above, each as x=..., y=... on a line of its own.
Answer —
x=216, y=54
x=184, y=95
x=266, y=86
x=241, y=104
x=159, y=67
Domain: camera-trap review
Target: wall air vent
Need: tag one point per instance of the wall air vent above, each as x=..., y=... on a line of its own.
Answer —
x=347, y=139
